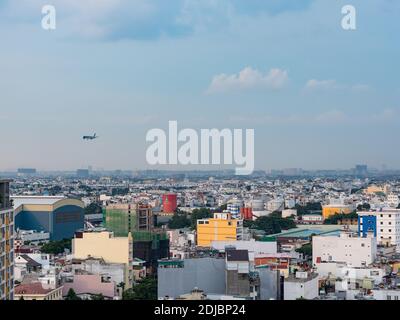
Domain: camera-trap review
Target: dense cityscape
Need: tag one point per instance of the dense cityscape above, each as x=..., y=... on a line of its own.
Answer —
x=160, y=235
x=192, y=159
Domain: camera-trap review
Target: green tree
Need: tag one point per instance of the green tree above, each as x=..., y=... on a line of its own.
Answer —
x=97, y=297
x=335, y=218
x=93, y=208
x=145, y=289
x=71, y=295
x=306, y=250
x=202, y=213
x=364, y=207
x=179, y=221
x=274, y=223
x=56, y=247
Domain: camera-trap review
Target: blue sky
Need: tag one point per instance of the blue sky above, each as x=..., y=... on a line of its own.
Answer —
x=317, y=96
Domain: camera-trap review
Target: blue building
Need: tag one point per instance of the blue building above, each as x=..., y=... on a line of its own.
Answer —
x=367, y=223
x=59, y=216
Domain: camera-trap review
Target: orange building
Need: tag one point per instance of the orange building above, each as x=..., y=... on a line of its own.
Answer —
x=219, y=228
x=332, y=209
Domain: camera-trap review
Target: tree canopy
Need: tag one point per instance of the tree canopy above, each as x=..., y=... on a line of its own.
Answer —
x=146, y=289
x=179, y=221
x=71, y=295
x=56, y=247
x=202, y=213
x=335, y=218
x=274, y=223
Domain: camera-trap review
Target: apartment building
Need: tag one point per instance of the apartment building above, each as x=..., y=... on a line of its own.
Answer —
x=348, y=248
x=384, y=224
x=6, y=242
x=102, y=244
x=222, y=227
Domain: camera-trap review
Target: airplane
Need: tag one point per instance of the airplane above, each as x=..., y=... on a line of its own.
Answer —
x=90, y=137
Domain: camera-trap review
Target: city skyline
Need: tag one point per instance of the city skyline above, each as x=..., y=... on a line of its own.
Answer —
x=122, y=68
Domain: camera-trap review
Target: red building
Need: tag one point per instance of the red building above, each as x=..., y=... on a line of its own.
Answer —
x=169, y=202
x=247, y=213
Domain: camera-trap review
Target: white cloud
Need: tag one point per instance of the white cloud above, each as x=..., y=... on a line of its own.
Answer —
x=249, y=78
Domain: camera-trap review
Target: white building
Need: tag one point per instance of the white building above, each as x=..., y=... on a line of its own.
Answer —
x=312, y=218
x=33, y=236
x=347, y=275
x=386, y=294
x=393, y=200
x=348, y=248
x=387, y=226
x=301, y=286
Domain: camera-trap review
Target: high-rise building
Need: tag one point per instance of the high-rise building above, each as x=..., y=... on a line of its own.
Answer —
x=83, y=173
x=138, y=219
x=122, y=218
x=361, y=170
x=6, y=242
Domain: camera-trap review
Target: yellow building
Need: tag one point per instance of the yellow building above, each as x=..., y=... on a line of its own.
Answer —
x=36, y=291
x=6, y=242
x=378, y=189
x=219, y=228
x=332, y=209
x=103, y=244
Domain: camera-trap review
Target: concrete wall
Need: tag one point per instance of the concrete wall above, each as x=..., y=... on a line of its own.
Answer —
x=102, y=245
x=207, y=274
x=269, y=284
x=352, y=250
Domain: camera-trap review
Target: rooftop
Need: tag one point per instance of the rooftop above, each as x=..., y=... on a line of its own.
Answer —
x=41, y=200
x=35, y=288
x=237, y=255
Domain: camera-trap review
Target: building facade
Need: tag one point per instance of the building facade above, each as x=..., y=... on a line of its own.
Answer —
x=103, y=244
x=59, y=216
x=385, y=225
x=348, y=248
x=332, y=209
x=6, y=242
x=219, y=228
